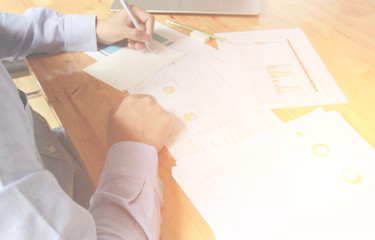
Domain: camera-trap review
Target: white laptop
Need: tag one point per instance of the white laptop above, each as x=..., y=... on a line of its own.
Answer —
x=235, y=7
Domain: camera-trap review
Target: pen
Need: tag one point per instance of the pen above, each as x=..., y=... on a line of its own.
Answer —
x=127, y=8
x=192, y=29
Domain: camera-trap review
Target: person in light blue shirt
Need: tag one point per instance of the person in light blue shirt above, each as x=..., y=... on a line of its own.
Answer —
x=37, y=174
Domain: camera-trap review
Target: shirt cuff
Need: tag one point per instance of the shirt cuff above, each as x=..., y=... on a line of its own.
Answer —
x=80, y=32
x=133, y=159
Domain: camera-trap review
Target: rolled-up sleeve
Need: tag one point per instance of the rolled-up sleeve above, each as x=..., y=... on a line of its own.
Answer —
x=127, y=202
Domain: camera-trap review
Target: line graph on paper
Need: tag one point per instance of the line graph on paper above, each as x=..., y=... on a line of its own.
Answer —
x=281, y=67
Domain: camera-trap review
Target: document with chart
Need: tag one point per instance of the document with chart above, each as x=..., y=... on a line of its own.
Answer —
x=311, y=179
x=127, y=67
x=208, y=104
x=281, y=67
x=200, y=91
x=122, y=67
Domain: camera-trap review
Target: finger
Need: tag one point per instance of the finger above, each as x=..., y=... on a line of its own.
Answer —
x=137, y=35
x=151, y=98
x=149, y=32
x=146, y=19
x=131, y=44
x=135, y=45
x=139, y=45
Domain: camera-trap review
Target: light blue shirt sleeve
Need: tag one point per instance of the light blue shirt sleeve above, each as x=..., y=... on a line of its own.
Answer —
x=41, y=30
x=128, y=200
x=129, y=193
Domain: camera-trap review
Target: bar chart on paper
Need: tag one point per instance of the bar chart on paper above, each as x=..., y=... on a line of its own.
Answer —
x=281, y=67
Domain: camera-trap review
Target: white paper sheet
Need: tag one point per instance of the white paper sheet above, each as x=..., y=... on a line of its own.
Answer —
x=311, y=179
x=282, y=67
x=127, y=67
x=207, y=100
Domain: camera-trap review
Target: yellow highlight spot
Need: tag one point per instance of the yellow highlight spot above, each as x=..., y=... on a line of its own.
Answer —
x=168, y=90
x=189, y=117
x=321, y=149
x=299, y=133
x=351, y=176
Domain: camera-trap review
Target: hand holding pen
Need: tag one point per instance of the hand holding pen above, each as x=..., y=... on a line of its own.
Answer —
x=119, y=27
x=132, y=16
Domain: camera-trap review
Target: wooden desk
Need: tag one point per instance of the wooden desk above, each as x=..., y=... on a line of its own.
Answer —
x=342, y=32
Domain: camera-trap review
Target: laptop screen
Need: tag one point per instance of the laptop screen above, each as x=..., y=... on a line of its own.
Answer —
x=235, y=7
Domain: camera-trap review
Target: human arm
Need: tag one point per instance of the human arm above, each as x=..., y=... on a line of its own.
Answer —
x=129, y=190
x=42, y=30
x=20, y=165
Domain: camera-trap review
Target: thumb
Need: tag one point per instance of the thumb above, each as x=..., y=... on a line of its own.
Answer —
x=137, y=35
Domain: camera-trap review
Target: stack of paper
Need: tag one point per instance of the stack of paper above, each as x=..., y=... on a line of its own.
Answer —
x=250, y=175
x=313, y=178
x=208, y=107
x=216, y=95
